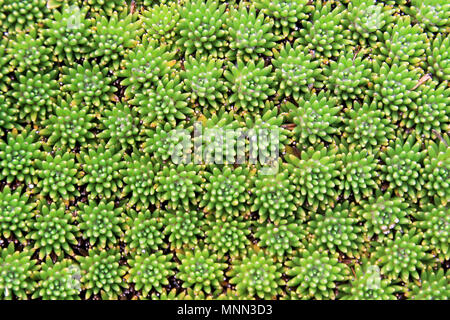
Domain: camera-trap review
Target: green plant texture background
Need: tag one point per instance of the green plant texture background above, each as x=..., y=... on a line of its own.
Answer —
x=92, y=207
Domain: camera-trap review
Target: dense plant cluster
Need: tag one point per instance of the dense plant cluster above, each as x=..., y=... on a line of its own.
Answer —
x=128, y=164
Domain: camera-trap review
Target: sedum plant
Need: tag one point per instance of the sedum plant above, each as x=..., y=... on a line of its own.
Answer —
x=53, y=231
x=438, y=59
x=433, y=285
x=21, y=15
x=16, y=272
x=104, y=7
x=384, y=215
x=143, y=231
x=102, y=171
x=434, y=222
x=315, y=175
x=200, y=270
x=71, y=124
x=348, y=78
x=256, y=274
x=5, y=65
x=314, y=273
x=402, y=256
x=296, y=71
x=150, y=271
x=88, y=83
x=68, y=32
x=101, y=223
x=35, y=94
x=203, y=79
x=144, y=66
x=8, y=115
x=250, y=84
x=250, y=33
x=101, y=274
x=286, y=14
x=160, y=22
x=28, y=52
x=58, y=281
x=183, y=227
x=165, y=103
x=201, y=28
x=433, y=15
x=17, y=157
x=16, y=213
x=139, y=176
x=58, y=175
x=338, y=229
x=403, y=166
x=226, y=191
x=227, y=237
x=179, y=185
x=316, y=118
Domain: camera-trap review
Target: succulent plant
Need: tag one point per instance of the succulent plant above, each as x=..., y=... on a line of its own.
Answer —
x=58, y=281
x=281, y=240
x=429, y=112
x=143, y=231
x=275, y=197
x=434, y=222
x=139, y=178
x=53, y=231
x=88, y=83
x=160, y=22
x=58, y=175
x=70, y=125
x=296, y=71
x=404, y=42
x=227, y=237
x=368, y=284
x=21, y=15
x=68, y=32
x=113, y=36
x=120, y=126
x=166, y=103
x=102, y=274
x=150, y=271
x=433, y=285
x=201, y=27
x=102, y=171
x=393, y=89
x=348, y=77
x=433, y=15
x=286, y=14
x=256, y=275
x=403, y=165
x=184, y=227
x=438, y=57
x=384, y=214
x=315, y=273
x=324, y=34
x=226, y=191
x=179, y=185
x=17, y=156
x=200, y=270
x=338, y=229
x=101, y=223
x=436, y=169
x=16, y=214
x=250, y=84
x=367, y=126
x=203, y=79
x=5, y=65
x=105, y=7
x=359, y=175
x=28, y=52
x=315, y=118
x=35, y=94
x=403, y=256
x=16, y=272
x=316, y=175
x=144, y=66
x=8, y=115
x=250, y=33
